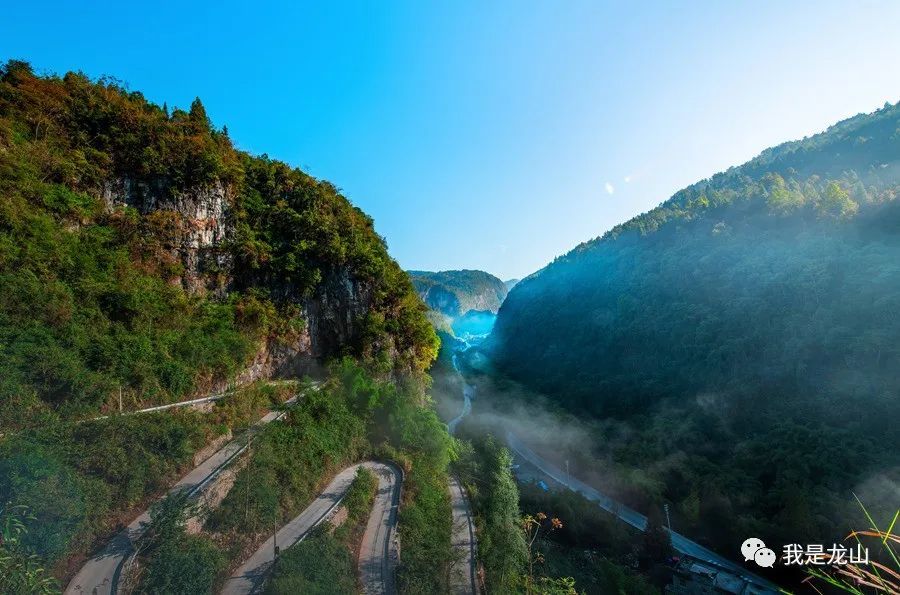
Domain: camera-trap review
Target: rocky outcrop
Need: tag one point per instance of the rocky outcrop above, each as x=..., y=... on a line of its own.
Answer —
x=204, y=223
x=453, y=293
x=331, y=314
x=335, y=311
x=439, y=298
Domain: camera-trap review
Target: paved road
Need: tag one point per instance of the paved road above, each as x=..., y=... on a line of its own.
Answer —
x=378, y=553
x=100, y=574
x=462, y=573
x=635, y=519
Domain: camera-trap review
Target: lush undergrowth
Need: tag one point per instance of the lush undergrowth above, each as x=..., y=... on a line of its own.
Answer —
x=176, y=562
x=320, y=565
x=323, y=564
x=21, y=571
x=79, y=480
x=287, y=462
x=111, y=292
x=599, y=551
x=353, y=416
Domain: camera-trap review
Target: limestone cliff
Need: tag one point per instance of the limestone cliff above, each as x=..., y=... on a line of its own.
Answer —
x=454, y=293
x=199, y=241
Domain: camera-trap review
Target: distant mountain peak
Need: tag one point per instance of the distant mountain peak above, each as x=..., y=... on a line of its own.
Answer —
x=454, y=293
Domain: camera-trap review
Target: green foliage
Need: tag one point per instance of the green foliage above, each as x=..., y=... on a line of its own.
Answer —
x=134, y=467
x=74, y=477
x=37, y=476
x=189, y=564
x=320, y=565
x=495, y=500
x=404, y=425
x=425, y=527
x=593, y=574
x=21, y=571
x=319, y=435
x=358, y=502
x=104, y=300
x=249, y=403
x=177, y=563
x=585, y=525
x=354, y=414
x=92, y=293
x=323, y=562
x=735, y=346
x=87, y=307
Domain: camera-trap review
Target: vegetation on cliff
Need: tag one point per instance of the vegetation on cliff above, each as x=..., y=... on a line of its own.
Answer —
x=93, y=275
x=144, y=259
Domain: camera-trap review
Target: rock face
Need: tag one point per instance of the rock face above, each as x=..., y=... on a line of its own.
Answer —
x=203, y=225
x=439, y=298
x=334, y=311
x=454, y=293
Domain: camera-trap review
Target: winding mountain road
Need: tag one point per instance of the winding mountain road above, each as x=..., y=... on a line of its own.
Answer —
x=100, y=575
x=379, y=550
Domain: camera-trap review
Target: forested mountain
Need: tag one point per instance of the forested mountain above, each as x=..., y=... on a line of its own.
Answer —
x=737, y=346
x=454, y=293
x=143, y=259
x=140, y=251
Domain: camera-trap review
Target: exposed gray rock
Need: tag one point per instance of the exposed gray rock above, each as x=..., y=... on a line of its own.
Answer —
x=332, y=314
x=204, y=226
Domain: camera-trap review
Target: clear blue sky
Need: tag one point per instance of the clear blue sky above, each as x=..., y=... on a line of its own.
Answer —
x=493, y=135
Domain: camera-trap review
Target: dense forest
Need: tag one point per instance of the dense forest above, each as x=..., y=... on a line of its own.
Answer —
x=735, y=350
x=143, y=260
x=110, y=282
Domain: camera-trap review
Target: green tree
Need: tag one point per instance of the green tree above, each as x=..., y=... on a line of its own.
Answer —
x=185, y=565
x=178, y=563
x=503, y=548
x=836, y=202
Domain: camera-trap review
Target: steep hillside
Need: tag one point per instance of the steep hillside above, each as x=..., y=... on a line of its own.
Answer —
x=141, y=252
x=144, y=259
x=454, y=293
x=740, y=341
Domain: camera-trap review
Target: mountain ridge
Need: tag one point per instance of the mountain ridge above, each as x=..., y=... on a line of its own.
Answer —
x=745, y=324
x=454, y=293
